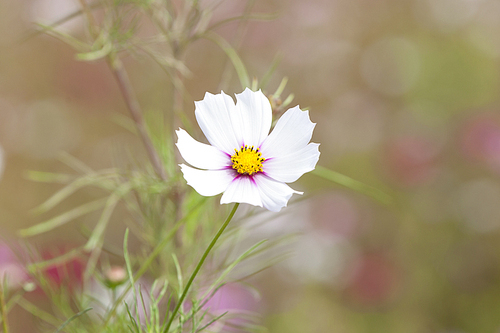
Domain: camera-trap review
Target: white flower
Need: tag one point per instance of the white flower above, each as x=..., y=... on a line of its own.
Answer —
x=244, y=161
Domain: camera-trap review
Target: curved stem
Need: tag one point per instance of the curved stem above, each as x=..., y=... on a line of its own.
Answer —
x=198, y=267
x=147, y=262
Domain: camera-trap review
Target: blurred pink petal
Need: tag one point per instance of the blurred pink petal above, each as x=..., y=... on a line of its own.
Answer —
x=10, y=268
x=411, y=161
x=374, y=280
x=480, y=140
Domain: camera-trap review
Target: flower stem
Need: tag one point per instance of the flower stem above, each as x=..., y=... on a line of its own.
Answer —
x=89, y=18
x=198, y=267
x=135, y=110
x=128, y=95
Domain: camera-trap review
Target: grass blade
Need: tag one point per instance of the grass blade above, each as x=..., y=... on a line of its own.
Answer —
x=157, y=250
x=37, y=312
x=353, y=184
x=47, y=177
x=60, y=260
x=74, y=163
x=71, y=319
x=232, y=265
x=131, y=278
x=232, y=55
x=180, y=280
x=211, y=322
x=267, y=76
x=71, y=188
x=63, y=37
x=63, y=218
x=110, y=205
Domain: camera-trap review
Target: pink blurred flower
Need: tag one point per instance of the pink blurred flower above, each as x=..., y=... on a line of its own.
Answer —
x=68, y=274
x=480, y=140
x=231, y=297
x=10, y=268
x=411, y=161
x=336, y=214
x=374, y=280
x=238, y=301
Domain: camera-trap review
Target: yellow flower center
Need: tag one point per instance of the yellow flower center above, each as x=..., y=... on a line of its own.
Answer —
x=247, y=160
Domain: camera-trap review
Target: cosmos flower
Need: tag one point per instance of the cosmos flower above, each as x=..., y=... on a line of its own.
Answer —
x=244, y=161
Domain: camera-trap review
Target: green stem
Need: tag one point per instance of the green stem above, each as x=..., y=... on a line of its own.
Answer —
x=198, y=267
x=128, y=94
x=35, y=311
x=147, y=262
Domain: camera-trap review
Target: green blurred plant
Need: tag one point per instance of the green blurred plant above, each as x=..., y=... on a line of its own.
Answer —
x=167, y=216
x=172, y=223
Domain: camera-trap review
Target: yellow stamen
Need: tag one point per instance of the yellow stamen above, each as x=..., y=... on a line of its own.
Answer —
x=247, y=160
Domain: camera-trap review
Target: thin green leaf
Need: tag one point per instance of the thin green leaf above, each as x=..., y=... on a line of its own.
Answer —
x=211, y=322
x=203, y=22
x=166, y=61
x=355, y=185
x=267, y=76
x=198, y=267
x=180, y=280
x=157, y=250
x=60, y=260
x=63, y=218
x=72, y=318
x=249, y=17
x=37, y=312
x=111, y=203
x=62, y=20
x=281, y=87
x=232, y=265
x=232, y=55
x=47, y=177
x=65, y=38
x=97, y=54
x=132, y=319
x=146, y=320
x=288, y=100
x=59, y=196
x=167, y=313
x=125, y=122
x=255, y=84
x=155, y=301
x=162, y=292
x=128, y=264
x=197, y=307
x=74, y=163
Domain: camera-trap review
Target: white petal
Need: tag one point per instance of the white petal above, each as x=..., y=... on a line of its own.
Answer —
x=274, y=194
x=292, y=132
x=255, y=111
x=213, y=114
x=243, y=190
x=291, y=167
x=207, y=182
x=200, y=155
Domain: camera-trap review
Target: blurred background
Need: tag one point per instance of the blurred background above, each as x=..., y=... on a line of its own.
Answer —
x=405, y=94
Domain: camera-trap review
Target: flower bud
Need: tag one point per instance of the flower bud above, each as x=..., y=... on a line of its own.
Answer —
x=115, y=276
